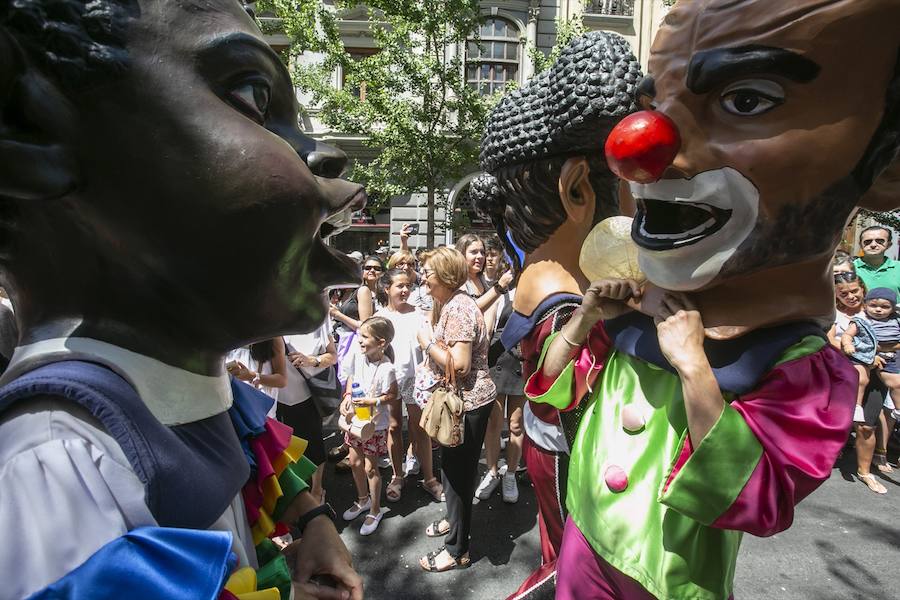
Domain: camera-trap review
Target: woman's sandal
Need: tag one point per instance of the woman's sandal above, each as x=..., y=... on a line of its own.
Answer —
x=881, y=463
x=429, y=564
x=434, y=487
x=435, y=529
x=872, y=483
x=393, y=489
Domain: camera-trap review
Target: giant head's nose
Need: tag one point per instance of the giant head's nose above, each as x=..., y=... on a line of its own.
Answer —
x=642, y=146
x=326, y=161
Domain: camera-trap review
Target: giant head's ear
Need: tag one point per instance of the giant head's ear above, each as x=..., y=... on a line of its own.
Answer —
x=576, y=191
x=35, y=163
x=884, y=195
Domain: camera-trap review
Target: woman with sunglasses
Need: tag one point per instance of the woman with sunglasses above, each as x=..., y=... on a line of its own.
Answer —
x=849, y=292
x=363, y=302
x=356, y=308
x=353, y=309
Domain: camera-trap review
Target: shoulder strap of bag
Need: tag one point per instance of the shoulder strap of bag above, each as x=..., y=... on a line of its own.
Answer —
x=450, y=370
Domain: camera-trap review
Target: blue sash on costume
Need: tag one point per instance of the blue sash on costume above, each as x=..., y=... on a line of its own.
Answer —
x=150, y=563
x=191, y=472
x=518, y=325
x=738, y=364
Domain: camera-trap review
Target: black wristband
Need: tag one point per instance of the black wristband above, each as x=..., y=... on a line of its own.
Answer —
x=324, y=509
x=498, y=288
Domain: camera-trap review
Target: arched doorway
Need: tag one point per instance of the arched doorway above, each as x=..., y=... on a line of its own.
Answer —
x=461, y=215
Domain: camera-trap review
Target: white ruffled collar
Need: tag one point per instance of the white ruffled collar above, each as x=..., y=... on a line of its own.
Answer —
x=173, y=395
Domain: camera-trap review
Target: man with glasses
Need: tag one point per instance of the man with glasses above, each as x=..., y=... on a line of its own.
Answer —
x=874, y=268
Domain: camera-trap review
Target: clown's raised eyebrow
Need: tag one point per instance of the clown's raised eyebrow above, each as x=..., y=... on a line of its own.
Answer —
x=711, y=68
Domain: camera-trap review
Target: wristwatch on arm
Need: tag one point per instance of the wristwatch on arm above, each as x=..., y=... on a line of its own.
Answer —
x=323, y=509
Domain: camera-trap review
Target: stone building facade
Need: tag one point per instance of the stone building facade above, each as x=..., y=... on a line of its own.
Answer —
x=510, y=27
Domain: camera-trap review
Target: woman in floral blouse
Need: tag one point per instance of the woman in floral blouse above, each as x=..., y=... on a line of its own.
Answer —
x=459, y=332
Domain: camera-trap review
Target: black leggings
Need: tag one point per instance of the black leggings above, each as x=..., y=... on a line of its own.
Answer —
x=459, y=471
x=307, y=424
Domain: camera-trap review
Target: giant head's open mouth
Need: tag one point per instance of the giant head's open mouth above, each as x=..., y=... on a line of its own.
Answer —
x=663, y=225
x=332, y=266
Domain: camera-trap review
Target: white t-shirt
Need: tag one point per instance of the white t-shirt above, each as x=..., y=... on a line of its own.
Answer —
x=841, y=322
x=407, y=352
x=375, y=379
x=313, y=343
x=243, y=356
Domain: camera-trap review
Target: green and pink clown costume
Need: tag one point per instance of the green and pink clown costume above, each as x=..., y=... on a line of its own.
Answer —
x=661, y=513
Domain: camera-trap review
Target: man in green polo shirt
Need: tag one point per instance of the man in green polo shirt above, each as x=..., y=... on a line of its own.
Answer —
x=874, y=268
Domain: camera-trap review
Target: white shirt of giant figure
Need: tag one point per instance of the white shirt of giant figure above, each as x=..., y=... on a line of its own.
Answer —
x=66, y=487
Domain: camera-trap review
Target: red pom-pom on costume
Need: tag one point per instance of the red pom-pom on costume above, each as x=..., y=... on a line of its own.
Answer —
x=642, y=146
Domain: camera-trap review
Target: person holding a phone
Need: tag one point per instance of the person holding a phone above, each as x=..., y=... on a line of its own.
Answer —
x=406, y=260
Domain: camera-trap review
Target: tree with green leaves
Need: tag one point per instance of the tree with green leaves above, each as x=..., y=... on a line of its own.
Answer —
x=409, y=99
x=566, y=31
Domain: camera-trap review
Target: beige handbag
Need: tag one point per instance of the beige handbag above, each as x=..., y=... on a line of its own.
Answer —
x=443, y=418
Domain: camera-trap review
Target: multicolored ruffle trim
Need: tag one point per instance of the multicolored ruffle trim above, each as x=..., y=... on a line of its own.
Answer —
x=279, y=472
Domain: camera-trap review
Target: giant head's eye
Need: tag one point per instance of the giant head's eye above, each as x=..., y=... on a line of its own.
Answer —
x=751, y=97
x=252, y=98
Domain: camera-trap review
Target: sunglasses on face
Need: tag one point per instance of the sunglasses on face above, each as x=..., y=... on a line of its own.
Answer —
x=879, y=241
x=372, y=268
x=846, y=277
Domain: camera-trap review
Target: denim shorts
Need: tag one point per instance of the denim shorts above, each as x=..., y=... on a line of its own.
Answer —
x=891, y=362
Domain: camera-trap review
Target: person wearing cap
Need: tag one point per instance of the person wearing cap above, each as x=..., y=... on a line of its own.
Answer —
x=547, y=185
x=881, y=313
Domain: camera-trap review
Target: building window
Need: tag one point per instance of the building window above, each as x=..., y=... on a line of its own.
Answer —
x=493, y=61
x=623, y=8
x=356, y=55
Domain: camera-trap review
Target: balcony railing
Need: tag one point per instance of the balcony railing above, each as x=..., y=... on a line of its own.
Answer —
x=623, y=8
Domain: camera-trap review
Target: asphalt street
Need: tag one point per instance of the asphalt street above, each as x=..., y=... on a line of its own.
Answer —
x=844, y=545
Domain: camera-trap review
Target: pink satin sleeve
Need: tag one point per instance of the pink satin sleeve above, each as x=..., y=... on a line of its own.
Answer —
x=801, y=414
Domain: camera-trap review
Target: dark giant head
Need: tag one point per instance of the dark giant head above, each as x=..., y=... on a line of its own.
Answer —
x=788, y=115
x=542, y=147
x=155, y=188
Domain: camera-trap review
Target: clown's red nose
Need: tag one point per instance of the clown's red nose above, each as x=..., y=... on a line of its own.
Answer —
x=642, y=146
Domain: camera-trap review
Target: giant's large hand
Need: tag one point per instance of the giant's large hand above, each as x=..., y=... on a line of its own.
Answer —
x=679, y=328
x=321, y=552
x=606, y=299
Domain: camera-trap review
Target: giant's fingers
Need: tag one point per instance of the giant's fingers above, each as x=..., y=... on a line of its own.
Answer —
x=635, y=288
x=672, y=303
x=687, y=302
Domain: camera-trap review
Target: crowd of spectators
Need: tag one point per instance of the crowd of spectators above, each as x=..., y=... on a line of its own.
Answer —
x=390, y=341
x=867, y=330
x=414, y=314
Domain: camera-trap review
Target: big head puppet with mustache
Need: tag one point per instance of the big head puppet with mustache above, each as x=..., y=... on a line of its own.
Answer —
x=717, y=406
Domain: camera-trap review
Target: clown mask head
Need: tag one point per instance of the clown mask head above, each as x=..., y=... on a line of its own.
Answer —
x=782, y=115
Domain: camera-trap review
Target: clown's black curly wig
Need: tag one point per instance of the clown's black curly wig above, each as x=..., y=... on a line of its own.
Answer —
x=565, y=111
